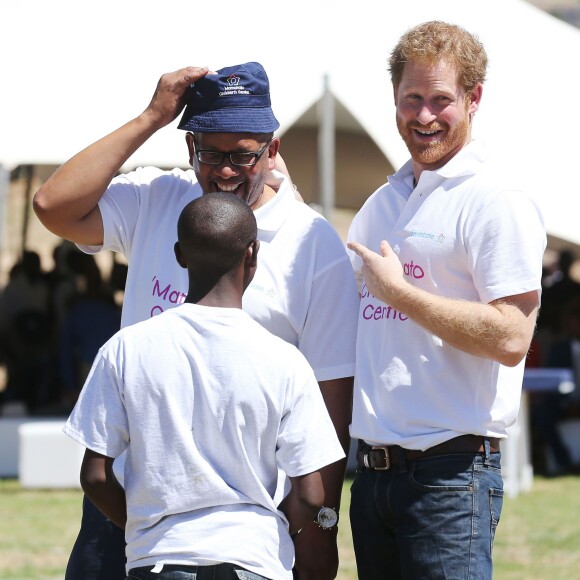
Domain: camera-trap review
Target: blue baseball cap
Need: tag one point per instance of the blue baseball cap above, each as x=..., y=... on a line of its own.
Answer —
x=235, y=100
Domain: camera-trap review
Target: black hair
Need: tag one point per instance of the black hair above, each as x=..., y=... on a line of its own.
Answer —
x=214, y=232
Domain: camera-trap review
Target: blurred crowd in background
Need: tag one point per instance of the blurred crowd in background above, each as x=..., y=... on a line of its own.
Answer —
x=556, y=345
x=52, y=324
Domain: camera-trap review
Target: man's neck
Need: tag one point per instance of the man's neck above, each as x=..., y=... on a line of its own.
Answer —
x=220, y=301
x=266, y=196
x=419, y=167
x=226, y=293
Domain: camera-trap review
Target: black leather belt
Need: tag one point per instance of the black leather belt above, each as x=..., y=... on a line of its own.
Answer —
x=383, y=457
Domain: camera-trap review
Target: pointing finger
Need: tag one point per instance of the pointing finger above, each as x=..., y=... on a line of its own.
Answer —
x=357, y=248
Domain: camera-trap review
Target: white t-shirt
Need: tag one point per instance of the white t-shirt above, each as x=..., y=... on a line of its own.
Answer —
x=304, y=289
x=463, y=232
x=208, y=405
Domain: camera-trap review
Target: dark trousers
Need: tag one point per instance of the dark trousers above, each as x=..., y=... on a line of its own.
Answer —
x=178, y=572
x=99, y=550
x=431, y=518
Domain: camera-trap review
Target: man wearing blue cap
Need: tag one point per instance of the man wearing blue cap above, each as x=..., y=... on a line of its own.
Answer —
x=304, y=289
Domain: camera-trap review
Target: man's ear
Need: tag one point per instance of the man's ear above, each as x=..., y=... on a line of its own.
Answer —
x=251, y=262
x=272, y=152
x=190, y=146
x=475, y=98
x=179, y=255
x=252, y=254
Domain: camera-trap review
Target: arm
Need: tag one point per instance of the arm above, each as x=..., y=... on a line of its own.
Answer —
x=102, y=488
x=337, y=395
x=501, y=330
x=303, y=501
x=316, y=549
x=67, y=203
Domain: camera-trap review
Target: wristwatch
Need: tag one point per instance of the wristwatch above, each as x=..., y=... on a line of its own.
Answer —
x=327, y=518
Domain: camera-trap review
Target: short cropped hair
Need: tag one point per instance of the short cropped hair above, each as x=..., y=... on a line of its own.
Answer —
x=214, y=231
x=433, y=41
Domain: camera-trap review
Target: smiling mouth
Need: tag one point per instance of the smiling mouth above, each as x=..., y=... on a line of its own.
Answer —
x=227, y=188
x=426, y=133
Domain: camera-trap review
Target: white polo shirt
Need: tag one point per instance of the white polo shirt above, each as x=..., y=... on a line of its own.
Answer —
x=463, y=232
x=304, y=289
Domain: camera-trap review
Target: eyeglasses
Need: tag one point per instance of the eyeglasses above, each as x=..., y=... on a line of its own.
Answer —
x=241, y=159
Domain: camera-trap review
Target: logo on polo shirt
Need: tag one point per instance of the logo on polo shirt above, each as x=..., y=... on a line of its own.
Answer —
x=439, y=238
x=269, y=292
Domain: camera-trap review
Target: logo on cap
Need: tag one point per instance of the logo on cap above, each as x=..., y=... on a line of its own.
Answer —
x=234, y=87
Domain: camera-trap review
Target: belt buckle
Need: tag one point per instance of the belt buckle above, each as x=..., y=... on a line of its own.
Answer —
x=387, y=458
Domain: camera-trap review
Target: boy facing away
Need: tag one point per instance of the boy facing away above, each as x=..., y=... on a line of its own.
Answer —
x=209, y=405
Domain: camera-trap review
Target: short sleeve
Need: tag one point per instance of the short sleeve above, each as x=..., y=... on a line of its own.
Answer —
x=98, y=420
x=328, y=338
x=307, y=440
x=120, y=206
x=505, y=244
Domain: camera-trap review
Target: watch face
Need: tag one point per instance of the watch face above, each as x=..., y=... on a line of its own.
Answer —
x=327, y=517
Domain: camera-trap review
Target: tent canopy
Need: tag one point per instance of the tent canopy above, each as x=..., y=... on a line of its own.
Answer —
x=73, y=71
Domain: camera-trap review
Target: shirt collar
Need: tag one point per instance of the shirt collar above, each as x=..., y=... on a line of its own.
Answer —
x=272, y=215
x=466, y=162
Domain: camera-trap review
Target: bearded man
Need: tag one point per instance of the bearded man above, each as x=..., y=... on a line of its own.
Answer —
x=449, y=254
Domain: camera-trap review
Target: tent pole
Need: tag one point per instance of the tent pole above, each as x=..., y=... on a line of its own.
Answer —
x=27, y=201
x=326, y=150
x=4, y=188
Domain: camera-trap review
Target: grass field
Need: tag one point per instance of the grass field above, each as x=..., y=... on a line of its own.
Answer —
x=538, y=536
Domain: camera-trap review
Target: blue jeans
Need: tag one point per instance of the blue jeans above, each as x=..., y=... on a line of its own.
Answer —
x=178, y=572
x=431, y=518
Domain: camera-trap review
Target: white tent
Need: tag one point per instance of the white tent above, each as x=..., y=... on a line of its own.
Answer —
x=73, y=71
